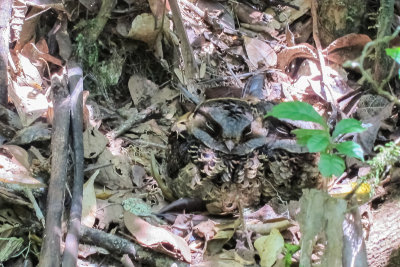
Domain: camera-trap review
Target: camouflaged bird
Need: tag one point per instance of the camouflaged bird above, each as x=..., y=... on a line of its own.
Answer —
x=225, y=152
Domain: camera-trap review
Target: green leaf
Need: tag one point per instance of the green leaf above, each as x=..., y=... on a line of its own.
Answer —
x=351, y=149
x=348, y=126
x=317, y=143
x=290, y=250
x=331, y=165
x=303, y=135
x=394, y=53
x=298, y=111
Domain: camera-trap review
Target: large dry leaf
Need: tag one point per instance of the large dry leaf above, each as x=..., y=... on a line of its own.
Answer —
x=108, y=212
x=118, y=175
x=260, y=53
x=348, y=47
x=30, y=103
x=13, y=162
x=157, y=238
x=39, y=52
x=89, y=206
x=352, y=39
x=141, y=88
x=159, y=7
x=94, y=142
x=269, y=247
x=144, y=28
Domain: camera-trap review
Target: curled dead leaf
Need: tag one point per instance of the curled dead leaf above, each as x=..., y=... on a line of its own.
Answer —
x=157, y=238
x=287, y=55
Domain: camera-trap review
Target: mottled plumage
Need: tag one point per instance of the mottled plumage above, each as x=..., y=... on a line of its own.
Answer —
x=225, y=152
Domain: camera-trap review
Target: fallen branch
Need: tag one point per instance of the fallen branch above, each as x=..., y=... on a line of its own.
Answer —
x=119, y=245
x=50, y=253
x=75, y=82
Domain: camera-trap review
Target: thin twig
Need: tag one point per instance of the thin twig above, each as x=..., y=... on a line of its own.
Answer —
x=377, y=87
x=120, y=245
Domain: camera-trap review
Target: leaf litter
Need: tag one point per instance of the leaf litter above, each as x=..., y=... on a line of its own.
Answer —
x=132, y=65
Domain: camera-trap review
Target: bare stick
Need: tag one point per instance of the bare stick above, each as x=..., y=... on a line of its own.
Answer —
x=50, y=254
x=75, y=82
x=116, y=244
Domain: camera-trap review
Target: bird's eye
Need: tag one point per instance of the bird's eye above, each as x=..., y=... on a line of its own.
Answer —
x=209, y=126
x=246, y=133
x=212, y=128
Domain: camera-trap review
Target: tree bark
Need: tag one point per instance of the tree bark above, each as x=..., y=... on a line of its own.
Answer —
x=338, y=18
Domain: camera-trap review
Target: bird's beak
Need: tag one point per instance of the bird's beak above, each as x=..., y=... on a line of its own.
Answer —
x=229, y=145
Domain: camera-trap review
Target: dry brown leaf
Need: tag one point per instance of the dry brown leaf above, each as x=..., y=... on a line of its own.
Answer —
x=144, y=29
x=107, y=213
x=19, y=154
x=118, y=175
x=289, y=37
x=352, y=39
x=14, y=172
x=94, y=142
x=248, y=14
x=287, y=55
x=39, y=51
x=30, y=103
x=348, y=47
x=63, y=38
x=89, y=206
x=141, y=88
x=157, y=238
x=159, y=7
x=260, y=53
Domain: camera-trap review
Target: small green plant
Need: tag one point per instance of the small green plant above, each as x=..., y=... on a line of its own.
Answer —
x=290, y=249
x=386, y=157
x=330, y=147
x=395, y=54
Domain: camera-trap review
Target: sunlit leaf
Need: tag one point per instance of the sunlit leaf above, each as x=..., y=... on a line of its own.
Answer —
x=348, y=126
x=297, y=111
x=317, y=143
x=331, y=165
x=351, y=149
x=303, y=135
x=395, y=54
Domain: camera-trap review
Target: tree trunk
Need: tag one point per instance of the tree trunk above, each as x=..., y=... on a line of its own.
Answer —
x=338, y=18
x=383, y=244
